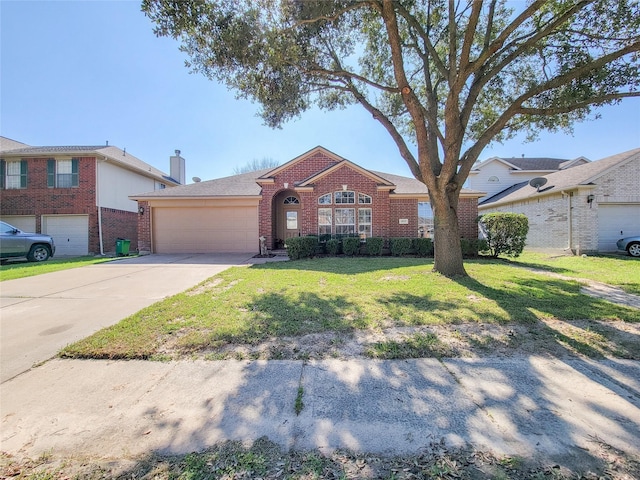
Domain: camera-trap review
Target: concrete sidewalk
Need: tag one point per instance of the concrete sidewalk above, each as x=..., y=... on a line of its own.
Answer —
x=519, y=406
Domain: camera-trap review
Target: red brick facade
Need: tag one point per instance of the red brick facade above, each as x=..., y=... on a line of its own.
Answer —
x=391, y=217
x=38, y=199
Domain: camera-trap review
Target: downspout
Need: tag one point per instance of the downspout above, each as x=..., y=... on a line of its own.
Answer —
x=570, y=219
x=98, y=162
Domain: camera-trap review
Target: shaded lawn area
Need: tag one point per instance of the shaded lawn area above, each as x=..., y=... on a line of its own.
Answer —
x=616, y=269
x=251, y=304
x=22, y=268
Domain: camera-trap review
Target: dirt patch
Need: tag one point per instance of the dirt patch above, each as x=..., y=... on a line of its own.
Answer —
x=264, y=459
x=549, y=337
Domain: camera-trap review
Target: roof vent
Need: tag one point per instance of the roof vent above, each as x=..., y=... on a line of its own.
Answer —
x=537, y=182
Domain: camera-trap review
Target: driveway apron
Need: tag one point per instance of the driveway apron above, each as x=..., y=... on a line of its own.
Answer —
x=44, y=313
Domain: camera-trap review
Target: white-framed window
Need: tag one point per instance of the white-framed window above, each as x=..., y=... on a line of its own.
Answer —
x=292, y=220
x=14, y=174
x=493, y=179
x=364, y=222
x=291, y=201
x=62, y=173
x=324, y=221
x=345, y=221
x=425, y=220
x=344, y=196
x=364, y=199
x=324, y=199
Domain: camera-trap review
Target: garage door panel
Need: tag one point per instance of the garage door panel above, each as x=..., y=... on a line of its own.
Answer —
x=205, y=230
x=616, y=221
x=70, y=233
x=26, y=223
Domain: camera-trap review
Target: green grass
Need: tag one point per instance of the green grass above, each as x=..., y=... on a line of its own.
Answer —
x=249, y=305
x=14, y=270
x=618, y=270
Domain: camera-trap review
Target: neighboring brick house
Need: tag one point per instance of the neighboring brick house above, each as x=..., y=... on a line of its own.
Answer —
x=317, y=193
x=77, y=194
x=496, y=174
x=586, y=208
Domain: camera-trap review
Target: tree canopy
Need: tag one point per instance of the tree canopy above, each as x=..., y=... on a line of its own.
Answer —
x=445, y=78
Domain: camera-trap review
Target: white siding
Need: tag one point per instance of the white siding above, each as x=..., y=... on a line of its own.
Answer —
x=115, y=184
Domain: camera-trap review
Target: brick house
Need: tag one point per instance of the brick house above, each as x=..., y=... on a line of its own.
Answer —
x=77, y=194
x=586, y=208
x=317, y=193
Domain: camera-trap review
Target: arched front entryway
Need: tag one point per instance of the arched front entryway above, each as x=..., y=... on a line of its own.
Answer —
x=286, y=211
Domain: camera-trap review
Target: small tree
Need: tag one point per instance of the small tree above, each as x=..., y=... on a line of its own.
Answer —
x=255, y=164
x=505, y=232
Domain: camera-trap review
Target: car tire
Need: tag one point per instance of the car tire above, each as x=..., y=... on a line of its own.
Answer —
x=634, y=249
x=39, y=253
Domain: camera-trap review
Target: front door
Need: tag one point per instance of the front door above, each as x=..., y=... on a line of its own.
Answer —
x=288, y=217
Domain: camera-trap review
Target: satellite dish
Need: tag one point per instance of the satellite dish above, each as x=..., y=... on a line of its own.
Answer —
x=197, y=179
x=537, y=182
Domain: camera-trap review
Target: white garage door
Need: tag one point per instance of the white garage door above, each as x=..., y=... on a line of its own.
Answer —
x=615, y=222
x=205, y=229
x=70, y=233
x=26, y=223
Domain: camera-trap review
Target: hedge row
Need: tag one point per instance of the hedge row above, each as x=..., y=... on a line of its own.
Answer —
x=309, y=246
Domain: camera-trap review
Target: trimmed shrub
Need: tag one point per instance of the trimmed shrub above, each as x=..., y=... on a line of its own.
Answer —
x=333, y=246
x=506, y=233
x=301, y=247
x=374, y=246
x=350, y=245
x=400, y=246
x=423, y=247
x=469, y=247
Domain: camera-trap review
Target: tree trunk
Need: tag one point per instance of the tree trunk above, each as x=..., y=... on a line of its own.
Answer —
x=446, y=242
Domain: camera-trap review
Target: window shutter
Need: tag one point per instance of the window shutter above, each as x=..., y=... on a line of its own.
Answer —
x=2, y=173
x=74, y=171
x=51, y=173
x=23, y=174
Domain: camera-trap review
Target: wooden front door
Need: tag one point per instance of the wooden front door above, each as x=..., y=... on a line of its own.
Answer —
x=288, y=216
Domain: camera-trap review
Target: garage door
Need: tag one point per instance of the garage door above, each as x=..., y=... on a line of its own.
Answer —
x=615, y=222
x=205, y=229
x=70, y=233
x=26, y=223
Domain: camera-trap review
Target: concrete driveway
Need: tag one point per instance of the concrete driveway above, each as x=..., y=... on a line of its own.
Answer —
x=42, y=314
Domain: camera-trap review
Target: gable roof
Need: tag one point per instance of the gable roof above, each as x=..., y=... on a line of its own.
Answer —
x=110, y=153
x=568, y=179
x=535, y=164
x=319, y=149
x=346, y=163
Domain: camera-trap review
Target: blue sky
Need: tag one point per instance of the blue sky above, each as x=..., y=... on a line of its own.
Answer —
x=84, y=72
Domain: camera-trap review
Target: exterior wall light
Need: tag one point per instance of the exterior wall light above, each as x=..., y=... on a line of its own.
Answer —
x=141, y=210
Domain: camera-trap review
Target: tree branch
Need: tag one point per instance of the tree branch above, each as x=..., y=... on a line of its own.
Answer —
x=575, y=106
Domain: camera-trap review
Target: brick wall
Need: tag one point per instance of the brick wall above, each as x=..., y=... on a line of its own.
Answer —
x=386, y=210
x=144, y=228
x=38, y=199
x=119, y=224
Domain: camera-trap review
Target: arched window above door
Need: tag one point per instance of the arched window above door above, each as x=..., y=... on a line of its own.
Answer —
x=291, y=200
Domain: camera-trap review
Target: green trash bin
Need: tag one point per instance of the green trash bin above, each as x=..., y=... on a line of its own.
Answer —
x=122, y=246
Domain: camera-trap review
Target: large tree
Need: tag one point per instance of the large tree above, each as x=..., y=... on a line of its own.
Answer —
x=446, y=76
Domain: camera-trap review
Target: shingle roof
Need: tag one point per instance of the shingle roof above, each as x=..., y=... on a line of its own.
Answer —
x=564, y=179
x=242, y=185
x=245, y=185
x=6, y=144
x=536, y=163
x=114, y=154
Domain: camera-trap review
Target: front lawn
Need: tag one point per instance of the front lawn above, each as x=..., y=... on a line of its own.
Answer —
x=250, y=305
x=619, y=270
x=19, y=269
